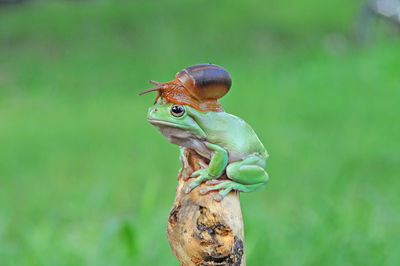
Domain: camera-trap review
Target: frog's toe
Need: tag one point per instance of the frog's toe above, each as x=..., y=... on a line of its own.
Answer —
x=194, y=184
x=187, y=189
x=213, y=182
x=181, y=173
x=225, y=192
x=222, y=193
x=185, y=175
x=203, y=191
x=218, y=197
x=224, y=188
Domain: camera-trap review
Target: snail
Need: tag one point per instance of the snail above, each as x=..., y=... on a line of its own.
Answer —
x=199, y=86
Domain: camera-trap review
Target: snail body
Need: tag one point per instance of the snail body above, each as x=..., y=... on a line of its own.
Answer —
x=199, y=86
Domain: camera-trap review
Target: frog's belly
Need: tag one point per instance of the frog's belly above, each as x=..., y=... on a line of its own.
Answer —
x=188, y=139
x=194, y=144
x=185, y=138
x=200, y=147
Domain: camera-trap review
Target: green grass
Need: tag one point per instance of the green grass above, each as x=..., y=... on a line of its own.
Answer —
x=85, y=180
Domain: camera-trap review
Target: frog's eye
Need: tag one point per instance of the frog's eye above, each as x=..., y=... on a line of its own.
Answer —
x=177, y=110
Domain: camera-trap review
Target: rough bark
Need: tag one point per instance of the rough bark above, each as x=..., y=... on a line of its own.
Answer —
x=202, y=231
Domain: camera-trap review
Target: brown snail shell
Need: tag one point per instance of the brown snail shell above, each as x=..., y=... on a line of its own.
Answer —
x=199, y=86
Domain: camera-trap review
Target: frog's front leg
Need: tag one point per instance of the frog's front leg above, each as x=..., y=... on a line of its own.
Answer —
x=217, y=165
x=183, y=157
x=246, y=176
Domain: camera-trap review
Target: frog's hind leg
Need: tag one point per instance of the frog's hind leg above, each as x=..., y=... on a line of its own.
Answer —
x=246, y=176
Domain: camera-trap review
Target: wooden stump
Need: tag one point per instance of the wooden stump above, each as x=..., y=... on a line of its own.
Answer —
x=202, y=231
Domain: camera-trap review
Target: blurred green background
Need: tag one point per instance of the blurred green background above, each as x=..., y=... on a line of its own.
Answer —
x=86, y=180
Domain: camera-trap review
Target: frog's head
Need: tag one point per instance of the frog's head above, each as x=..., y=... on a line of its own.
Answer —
x=174, y=122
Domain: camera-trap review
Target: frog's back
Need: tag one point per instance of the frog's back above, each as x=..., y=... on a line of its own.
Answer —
x=231, y=133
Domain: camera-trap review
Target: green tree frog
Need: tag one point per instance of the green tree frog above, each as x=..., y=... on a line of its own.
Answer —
x=226, y=140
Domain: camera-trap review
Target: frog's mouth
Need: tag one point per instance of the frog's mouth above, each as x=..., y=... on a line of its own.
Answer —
x=166, y=123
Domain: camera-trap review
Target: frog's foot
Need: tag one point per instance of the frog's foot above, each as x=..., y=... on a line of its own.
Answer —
x=202, y=175
x=214, y=182
x=224, y=186
x=227, y=186
x=181, y=173
x=185, y=164
x=185, y=176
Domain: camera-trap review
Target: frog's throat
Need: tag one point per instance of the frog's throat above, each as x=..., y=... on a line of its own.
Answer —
x=161, y=123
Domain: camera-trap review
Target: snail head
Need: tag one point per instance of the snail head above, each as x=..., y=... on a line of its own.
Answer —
x=163, y=89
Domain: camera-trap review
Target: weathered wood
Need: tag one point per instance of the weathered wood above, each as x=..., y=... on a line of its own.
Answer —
x=202, y=231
